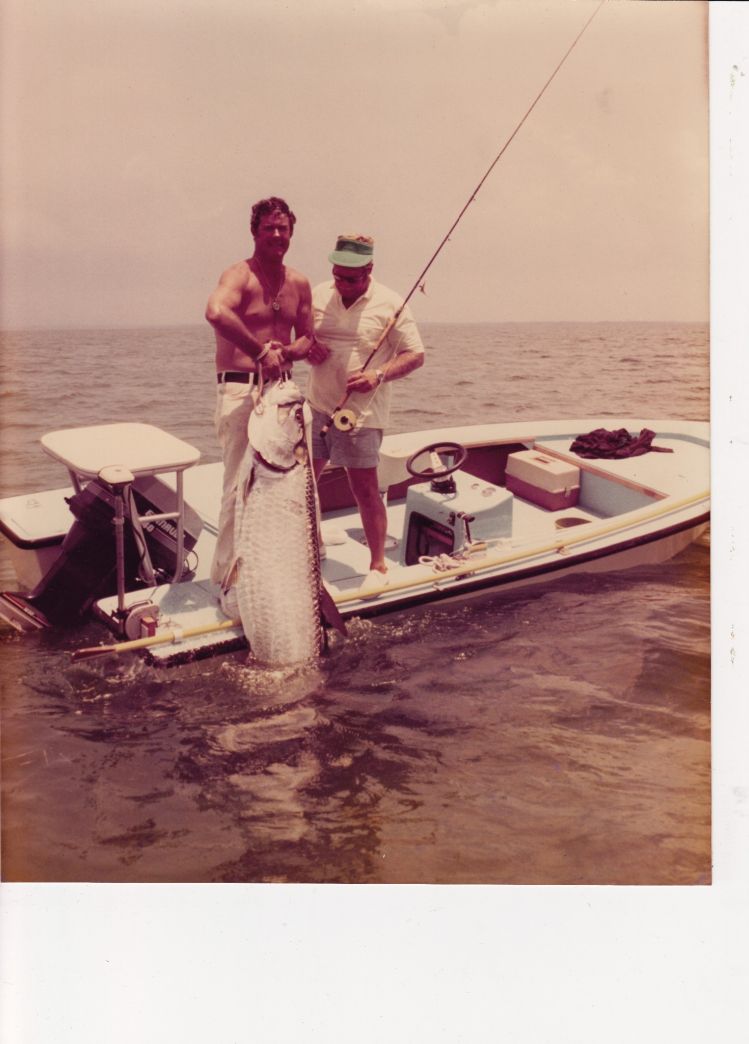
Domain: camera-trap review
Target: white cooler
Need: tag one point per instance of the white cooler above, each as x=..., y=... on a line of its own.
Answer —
x=544, y=480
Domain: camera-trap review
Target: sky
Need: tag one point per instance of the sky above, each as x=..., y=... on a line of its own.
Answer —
x=136, y=135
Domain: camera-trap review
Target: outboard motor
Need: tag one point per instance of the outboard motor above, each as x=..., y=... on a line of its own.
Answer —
x=86, y=569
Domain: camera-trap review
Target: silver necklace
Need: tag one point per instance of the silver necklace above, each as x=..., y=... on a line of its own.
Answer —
x=274, y=302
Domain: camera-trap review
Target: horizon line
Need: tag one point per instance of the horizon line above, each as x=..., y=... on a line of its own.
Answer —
x=420, y=322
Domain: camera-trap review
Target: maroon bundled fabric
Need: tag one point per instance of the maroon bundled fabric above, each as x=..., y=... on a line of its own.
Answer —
x=616, y=444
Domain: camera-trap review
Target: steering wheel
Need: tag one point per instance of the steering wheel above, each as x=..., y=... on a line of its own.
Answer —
x=437, y=468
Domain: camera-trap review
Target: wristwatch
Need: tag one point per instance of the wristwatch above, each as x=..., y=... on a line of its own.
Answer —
x=380, y=374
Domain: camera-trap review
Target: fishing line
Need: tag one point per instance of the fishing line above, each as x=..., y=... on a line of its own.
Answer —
x=345, y=420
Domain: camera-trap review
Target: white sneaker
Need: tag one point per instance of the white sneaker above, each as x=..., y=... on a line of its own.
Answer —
x=332, y=536
x=372, y=584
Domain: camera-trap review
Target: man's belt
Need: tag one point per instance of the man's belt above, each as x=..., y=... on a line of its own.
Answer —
x=236, y=377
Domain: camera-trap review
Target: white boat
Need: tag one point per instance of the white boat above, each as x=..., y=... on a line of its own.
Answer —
x=471, y=509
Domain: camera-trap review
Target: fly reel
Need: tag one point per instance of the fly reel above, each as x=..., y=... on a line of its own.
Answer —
x=344, y=420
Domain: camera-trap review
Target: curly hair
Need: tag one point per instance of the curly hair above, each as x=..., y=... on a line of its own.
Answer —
x=268, y=206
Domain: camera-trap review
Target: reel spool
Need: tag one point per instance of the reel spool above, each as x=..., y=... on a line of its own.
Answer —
x=344, y=420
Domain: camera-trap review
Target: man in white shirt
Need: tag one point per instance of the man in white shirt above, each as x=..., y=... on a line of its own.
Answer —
x=350, y=316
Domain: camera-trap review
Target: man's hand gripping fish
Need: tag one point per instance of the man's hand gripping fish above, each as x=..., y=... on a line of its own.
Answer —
x=277, y=567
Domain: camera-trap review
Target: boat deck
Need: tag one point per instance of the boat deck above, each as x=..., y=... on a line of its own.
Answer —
x=194, y=603
x=346, y=564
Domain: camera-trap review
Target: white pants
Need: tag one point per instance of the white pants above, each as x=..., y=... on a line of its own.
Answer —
x=233, y=408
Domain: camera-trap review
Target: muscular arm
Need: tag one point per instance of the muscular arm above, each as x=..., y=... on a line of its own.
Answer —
x=299, y=348
x=222, y=312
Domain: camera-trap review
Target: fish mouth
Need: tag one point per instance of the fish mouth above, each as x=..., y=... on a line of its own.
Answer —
x=273, y=464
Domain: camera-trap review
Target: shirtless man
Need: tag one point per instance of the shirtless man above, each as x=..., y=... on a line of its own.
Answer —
x=253, y=310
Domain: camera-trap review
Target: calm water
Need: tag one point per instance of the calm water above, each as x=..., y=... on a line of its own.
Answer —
x=558, y=736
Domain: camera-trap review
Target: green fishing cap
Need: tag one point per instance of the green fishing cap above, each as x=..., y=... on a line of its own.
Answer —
x=352, y=251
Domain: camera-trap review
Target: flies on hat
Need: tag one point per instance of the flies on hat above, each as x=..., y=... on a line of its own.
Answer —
x=352, y=251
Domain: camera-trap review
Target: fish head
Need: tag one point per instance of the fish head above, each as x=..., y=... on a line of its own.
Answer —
x=276, y=429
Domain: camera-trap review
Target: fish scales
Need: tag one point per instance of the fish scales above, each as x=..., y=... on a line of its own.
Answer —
x=277, y=585
x=276, y=535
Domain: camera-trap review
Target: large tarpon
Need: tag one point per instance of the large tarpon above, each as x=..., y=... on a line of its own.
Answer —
x=277, y=565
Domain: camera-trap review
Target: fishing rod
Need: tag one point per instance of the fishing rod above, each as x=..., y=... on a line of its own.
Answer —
x=345, y=420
